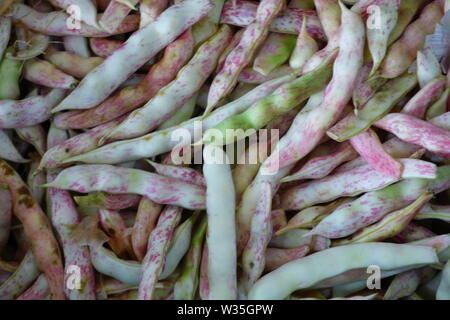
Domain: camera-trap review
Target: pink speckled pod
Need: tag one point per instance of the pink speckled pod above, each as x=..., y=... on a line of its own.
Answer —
x=88, y=10
x=115, y=227
x=254, y=254
x=74, y=146
x=161, y=141
x=39, y=290
x=150, y=9
x=104, y=47
x=309, y=127
x=71, y=63
x=34, y=135
x=388, y=227
x=370, y=208
x=29, y=111
x=21, y=279
x=369, y=147
x=140, y=47
x=64, y=218
x=37, y=230
x=146, y=217
x=114, y=14
x=77, y=45
x=182, y=173
x=55, y=23
x=241, y=55
x=164, y=190
x=418, y=104
x=242, y=13
x=353, y=182
x=8, y=150
x=158, y=245
x=330, y=17
x=188, y=81
x=416, y=131
x=129, y=98
x=404, y=51
x=428, y=66
x=275, y=257
x=46, y=74
x=413, y=232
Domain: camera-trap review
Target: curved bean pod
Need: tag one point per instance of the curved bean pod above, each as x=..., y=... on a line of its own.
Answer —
x=71, y=63
x=242, y=13
x=283, y=99
x=146, y=217
x=150, y=10
x=240, y=56
x=55, y=23
x=37, y=230
x=439, y=107
x=186, y=285
x=164, y=190
x=74, y=146
x=309, y=128
x=221, y=234
x=378, y=36
x=23, y=276
x=8, y=150
x=254, y=253
x=114, y=14
x=418, y=104
x=46, y=74
x=391, y=225
x=305, y=48
x=104, y=47
x=369, y=147
x=188, y=81
x=39, y=290
x=361, y=179
x=275, y=51
x=383, y=101
x=370, y=208
x=34, y=135
x=296, y=274
x=29, y=111
x=140, y=47
x=329, y=14
x=178, y=247
x=416, y=131
x=182, y=173
x=161, y=141
x=129, y=98
x=428, y=66
x=404, y=51
x=10, y=72
x=275, y=258
x=158, y=246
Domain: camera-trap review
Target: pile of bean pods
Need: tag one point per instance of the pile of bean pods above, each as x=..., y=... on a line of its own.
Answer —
x=99, y=101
